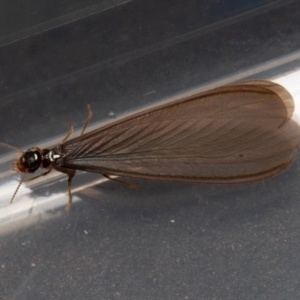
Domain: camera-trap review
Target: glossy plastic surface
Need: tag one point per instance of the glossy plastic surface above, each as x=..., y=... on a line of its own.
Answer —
x=169, y=240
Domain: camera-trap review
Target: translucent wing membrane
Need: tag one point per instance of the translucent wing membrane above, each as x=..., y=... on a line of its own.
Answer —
x=236, y=133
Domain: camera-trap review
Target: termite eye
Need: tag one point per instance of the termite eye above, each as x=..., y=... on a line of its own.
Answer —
x=30, y=161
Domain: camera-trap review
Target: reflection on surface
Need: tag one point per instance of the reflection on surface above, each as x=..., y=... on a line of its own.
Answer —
x=291, y=83
x=54, y=186
x=27, y=203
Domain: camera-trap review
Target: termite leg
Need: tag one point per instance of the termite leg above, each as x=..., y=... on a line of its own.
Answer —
x=132, y=185
x=71, y=130
x=71, y=175
x=89, y=117
x=40, y=175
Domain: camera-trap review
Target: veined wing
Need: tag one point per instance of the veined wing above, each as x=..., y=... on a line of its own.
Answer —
x=236, y=133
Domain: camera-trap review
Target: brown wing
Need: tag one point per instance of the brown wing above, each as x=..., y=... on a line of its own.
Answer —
x=235, y=133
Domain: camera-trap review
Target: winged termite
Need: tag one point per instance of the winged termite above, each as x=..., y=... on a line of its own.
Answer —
x=232, y=134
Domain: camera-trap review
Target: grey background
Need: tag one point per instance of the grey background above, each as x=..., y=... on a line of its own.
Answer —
x=167, y=241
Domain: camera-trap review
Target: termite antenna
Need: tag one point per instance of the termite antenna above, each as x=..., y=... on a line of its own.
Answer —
x=21, y=181
x=11, y=147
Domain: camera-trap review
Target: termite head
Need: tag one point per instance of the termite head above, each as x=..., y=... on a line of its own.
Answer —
x=29, y=161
